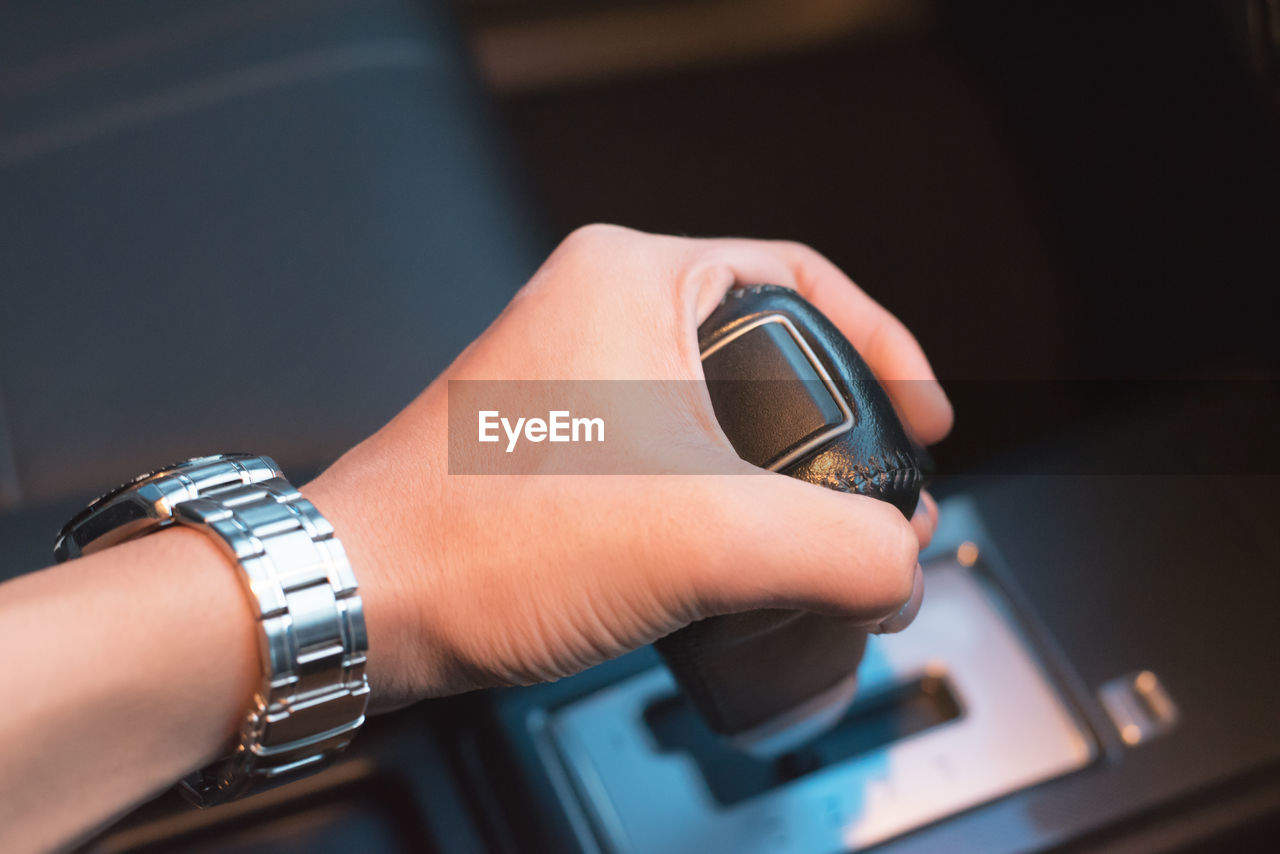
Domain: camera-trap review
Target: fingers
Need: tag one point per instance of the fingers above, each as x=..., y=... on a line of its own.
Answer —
x=925, y=520
x=769, y=541
x=883, y=341
x=707, y=269
x=715, y=266
x=888, y=346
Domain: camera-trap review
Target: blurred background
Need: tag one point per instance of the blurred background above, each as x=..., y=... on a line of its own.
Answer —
x=267, y=225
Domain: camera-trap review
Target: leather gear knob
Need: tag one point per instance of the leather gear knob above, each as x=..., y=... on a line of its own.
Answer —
x=793, y=396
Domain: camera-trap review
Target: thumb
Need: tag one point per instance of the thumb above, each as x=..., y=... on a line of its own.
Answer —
x=771, y=541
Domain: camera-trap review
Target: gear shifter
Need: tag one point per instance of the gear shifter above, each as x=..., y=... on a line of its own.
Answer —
x=793, y=396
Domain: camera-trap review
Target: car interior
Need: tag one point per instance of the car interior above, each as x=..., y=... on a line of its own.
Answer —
x=1075, y=207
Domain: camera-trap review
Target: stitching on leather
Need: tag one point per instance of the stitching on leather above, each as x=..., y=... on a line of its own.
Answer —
x=894, y=471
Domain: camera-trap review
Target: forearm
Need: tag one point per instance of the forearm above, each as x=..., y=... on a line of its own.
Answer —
x=127, y=669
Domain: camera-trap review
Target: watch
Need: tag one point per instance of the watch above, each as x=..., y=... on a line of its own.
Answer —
x=312, y=637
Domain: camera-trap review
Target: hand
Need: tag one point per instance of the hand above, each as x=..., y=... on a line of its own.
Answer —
x=474, y=581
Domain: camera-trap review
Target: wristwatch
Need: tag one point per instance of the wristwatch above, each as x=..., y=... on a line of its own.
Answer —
x=312, y=638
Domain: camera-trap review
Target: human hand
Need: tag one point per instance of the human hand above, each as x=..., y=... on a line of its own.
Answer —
x=472, y=581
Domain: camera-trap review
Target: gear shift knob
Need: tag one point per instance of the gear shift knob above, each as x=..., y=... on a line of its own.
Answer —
x=793, y=396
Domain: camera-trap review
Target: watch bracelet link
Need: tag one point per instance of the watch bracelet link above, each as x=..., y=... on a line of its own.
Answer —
x=312, y=637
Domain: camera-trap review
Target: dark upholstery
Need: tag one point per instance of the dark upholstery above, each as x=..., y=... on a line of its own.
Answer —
x=255, y=226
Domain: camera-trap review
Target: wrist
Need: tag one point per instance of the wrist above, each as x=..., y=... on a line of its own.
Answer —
x=400, y=668
x=302, y=596
x=207, y=638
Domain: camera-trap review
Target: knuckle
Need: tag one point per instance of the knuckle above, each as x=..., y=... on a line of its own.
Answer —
x=797, y=246
x=593, y=235
x=802, y=251
x=711, y=271
x=578, y=252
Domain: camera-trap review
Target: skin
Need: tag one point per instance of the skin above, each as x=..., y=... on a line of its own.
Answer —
x=147, y=651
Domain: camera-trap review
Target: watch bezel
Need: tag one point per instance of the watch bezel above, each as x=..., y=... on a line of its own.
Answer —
x=107, y=520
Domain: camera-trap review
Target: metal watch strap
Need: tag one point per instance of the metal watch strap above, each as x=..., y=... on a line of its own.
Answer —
x=312, y=640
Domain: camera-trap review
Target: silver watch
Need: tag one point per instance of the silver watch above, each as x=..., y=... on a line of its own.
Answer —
x=300, y=585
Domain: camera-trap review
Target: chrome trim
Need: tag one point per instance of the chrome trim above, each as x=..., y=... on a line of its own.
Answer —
x=1139, y=706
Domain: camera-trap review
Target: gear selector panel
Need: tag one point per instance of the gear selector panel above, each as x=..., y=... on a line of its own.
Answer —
x=956, y=712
